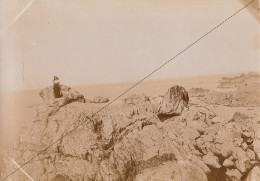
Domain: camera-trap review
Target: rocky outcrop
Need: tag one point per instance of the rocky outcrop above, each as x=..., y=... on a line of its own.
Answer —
x=68, y=95
x=129, y=142
x=51, y=104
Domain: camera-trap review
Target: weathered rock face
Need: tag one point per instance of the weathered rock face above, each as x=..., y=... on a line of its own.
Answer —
x=175, y=100
x=129, y=142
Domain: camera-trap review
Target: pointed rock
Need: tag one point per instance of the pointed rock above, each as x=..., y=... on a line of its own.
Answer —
x=175, y=100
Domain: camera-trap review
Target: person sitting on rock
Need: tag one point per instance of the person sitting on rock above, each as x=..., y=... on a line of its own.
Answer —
x=56, y=87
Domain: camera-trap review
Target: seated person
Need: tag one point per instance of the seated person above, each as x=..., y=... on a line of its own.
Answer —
x=56, y=87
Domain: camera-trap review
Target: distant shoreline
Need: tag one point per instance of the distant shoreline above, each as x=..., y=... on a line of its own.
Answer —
x=129, y=82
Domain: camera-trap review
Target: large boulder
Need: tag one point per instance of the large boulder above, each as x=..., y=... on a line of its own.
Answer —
x=175, y=100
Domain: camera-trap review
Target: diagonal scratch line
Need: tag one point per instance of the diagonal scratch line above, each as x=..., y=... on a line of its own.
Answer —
x=18, y=166
x=21, y=13
x=137, y=83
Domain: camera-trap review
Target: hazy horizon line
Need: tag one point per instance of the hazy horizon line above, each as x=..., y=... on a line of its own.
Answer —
x=131, y=81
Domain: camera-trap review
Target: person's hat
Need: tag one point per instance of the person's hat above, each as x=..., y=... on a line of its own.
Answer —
x=55, y=78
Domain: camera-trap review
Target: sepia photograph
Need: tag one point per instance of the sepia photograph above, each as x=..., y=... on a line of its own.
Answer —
x=129, y=90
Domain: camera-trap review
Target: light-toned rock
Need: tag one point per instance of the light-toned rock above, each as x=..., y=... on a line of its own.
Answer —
x=248, y=136
x=197, y=161
x=257, y=132
x=228, y=162
x=157, y=100
x=99, y=99
x=234, y=175
x=186, y=171
x=256, y=145
x=243, y=165
x=238, y=116
x=217, y=120
x=256, y=142
x=254, y=174
x=244, y=146
x=211, y=160
x=250, y=154
x=226, y=149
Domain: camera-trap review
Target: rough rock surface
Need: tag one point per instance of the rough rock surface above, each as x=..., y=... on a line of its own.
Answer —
x=186, y=171
x=99, y=99
x=68, y=95
x=175, y=100
x=254, y=174
x=211, y=160
x=234, y=174
x=51, y=104
x=129, y=142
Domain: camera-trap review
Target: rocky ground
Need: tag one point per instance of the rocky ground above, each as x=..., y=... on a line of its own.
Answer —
x=176, y=136
x=236, y=91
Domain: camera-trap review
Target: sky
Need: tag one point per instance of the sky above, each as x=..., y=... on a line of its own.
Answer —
x=98, y=41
